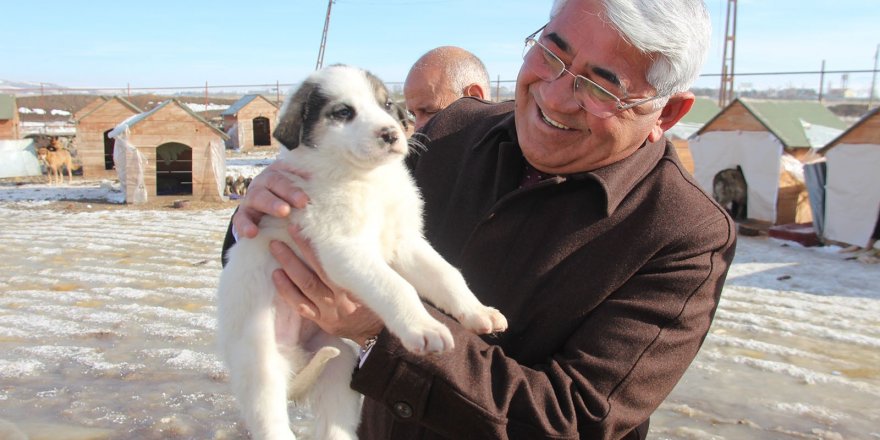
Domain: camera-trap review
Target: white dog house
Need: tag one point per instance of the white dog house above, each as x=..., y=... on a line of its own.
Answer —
x=768, y=139
x=852, y=182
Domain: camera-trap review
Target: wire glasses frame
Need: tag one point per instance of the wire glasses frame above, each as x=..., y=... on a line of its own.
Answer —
x=589, y=95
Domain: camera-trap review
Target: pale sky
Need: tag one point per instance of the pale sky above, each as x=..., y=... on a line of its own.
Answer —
x=163, y=43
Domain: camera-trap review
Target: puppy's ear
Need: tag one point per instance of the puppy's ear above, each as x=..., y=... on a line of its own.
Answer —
x=292, y=123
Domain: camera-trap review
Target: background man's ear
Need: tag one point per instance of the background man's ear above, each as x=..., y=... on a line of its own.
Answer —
x=676, y=107
x=475, y=90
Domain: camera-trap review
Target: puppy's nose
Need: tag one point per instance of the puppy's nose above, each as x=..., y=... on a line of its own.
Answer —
x=388, y=135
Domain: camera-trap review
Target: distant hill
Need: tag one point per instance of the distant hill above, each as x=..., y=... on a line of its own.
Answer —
x=25, y=85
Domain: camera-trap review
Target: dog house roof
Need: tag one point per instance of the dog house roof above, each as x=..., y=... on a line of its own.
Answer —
x=797, y=124
x=7, y=107
x=871, y=116
x=704, y=110
x=119, y=99
x=134, y=120
x=242, y=103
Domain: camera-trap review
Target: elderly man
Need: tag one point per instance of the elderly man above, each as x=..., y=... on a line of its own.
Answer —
x=440, y=77
x=570, y=212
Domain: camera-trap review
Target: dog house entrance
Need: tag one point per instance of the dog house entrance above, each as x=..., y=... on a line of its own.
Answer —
x=730, y=190
x=173, y=169
x=109, y=143
x=261, y=131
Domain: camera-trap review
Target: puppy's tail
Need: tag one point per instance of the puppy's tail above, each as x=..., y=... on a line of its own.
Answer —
x=302, y=383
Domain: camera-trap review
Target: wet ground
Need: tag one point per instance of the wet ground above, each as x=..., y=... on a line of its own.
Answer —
x=107, y=324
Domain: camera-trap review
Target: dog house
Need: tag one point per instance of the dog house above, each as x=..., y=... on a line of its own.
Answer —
x=249, y=122
x=703, y=110
x=86, y=109
x=9, y=124
x=170, y=151
x=847, y=204
x=768, y=140
x=94, y=146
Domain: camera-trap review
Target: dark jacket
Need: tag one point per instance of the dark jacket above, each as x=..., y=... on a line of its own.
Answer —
x=609, y=280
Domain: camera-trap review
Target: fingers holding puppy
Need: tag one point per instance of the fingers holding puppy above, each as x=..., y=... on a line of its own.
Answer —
x=317, y=298
x=272, y=192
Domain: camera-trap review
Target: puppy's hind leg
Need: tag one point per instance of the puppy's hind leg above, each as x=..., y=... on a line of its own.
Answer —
x=258, y=371
x=335, y=406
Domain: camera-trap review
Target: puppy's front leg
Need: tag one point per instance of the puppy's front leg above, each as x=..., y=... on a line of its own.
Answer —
x=361, y=269
x=439, y=282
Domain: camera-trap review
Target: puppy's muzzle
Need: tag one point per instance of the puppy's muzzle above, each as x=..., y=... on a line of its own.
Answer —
x=389, y=135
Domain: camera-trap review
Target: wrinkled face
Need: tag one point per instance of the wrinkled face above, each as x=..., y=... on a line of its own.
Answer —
x=426, y=94
x=555, y=134
x=345, y=112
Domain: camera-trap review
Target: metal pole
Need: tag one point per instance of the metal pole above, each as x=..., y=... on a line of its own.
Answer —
x=324, y=36
x=277, y=93
x=873, y=78
x=822, y=81
x=498, y=89
x=206, y=99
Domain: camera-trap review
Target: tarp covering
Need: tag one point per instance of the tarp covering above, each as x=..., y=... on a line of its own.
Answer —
x=217, y=156
x=814, y=176
x=130, y=165
x=852, y=192
x=19, y=159
x=758, y=153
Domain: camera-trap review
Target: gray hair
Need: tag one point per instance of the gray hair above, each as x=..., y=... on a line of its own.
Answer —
x=674, y=33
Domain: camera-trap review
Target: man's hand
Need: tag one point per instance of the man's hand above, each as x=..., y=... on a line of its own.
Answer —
x=272, y=192
x=311, y=294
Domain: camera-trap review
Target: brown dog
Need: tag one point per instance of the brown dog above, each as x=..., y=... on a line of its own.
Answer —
x=55, y=156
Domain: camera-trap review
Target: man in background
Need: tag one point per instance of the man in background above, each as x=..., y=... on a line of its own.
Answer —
x=441, y=76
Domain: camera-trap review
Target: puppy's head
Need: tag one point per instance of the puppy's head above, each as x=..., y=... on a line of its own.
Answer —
x=343, y=111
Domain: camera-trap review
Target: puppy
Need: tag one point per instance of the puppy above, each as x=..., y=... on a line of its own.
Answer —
x=239, y=187
x=227, y=189
x=364, y=221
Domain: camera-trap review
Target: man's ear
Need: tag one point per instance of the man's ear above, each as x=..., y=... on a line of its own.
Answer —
x=475, y=90
x=676, y=107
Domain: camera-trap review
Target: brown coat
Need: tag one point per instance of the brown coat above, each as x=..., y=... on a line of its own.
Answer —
x=609, y=280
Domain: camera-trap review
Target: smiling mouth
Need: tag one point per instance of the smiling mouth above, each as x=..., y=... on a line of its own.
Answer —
x=553, y=123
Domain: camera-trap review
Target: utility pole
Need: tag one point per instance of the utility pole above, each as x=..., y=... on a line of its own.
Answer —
x=324, y=36
x=725, y=92
x=873, y=78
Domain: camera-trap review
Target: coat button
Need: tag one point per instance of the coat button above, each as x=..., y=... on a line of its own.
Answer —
x=403, y=410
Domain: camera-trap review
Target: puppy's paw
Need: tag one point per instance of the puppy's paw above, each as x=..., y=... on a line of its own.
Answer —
x=427, y=336
x=484, y=320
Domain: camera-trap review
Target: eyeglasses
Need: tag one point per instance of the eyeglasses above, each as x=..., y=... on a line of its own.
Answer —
x=590, y=96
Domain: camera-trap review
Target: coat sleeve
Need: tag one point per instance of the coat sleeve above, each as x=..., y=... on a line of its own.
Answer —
x=593, y=387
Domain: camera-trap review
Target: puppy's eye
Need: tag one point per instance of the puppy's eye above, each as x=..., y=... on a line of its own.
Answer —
x=342, y=113
x=389, y=105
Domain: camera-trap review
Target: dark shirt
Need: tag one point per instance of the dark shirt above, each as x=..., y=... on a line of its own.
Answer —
x=609, y=280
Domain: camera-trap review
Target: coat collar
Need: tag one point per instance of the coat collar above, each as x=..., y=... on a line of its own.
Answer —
x=616, y=180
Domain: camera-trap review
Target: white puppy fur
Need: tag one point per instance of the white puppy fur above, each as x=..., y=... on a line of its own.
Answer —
x=364, y=221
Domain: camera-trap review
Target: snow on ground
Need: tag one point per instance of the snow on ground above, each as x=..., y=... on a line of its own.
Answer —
x=107, y=330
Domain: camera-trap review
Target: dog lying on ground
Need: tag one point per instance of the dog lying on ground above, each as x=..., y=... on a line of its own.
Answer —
x=364, y=221
x=55, y=156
